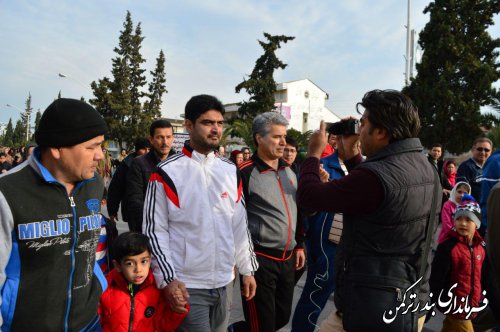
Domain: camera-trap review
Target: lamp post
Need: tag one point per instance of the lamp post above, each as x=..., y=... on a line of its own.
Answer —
x=28, y=118
x=72, y=78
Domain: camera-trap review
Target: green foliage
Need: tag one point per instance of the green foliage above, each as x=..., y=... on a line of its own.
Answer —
x=19, y=135
x=261, y=85
x=152, y=106
x=243, y=128
x=456, y=72
x=38, y=116
x=119, y=100
x=494, y=136
x=301, y=138
x=9, y=134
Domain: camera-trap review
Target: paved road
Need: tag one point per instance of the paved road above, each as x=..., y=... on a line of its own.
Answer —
x=434, y=325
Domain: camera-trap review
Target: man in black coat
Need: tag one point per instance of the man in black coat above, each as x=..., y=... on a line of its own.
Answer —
x=161, y=137
x=118, y=184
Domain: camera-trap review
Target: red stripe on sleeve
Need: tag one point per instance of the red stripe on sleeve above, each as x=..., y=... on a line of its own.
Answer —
x=171, y=194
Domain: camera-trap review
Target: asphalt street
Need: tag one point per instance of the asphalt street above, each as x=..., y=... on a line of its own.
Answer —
x=434, y=325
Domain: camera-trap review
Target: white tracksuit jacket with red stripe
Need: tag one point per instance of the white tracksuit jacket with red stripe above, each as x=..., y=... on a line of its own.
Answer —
x=195, y=217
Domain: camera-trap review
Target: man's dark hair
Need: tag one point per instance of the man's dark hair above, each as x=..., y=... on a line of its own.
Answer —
x=2, y=154
x=291, y=141
x=142, y=143
x=160, y=123
x=393, y=111
x=200, y=104
x=436, y=145
x=130, y=244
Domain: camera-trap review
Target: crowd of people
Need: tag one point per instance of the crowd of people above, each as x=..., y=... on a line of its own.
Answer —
x=394, y=234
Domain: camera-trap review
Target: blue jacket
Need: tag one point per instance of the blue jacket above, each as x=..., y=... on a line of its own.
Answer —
x=313, y=224
x=469, y=171
x=491, y=176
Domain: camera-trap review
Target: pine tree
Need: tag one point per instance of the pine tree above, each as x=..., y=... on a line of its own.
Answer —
x=38, y=116
x=119, y=99
x=19, y=135
x=152, y=106
x=26, y=118
x=261, y=85
x=455, y=75
x=9, y=134
x=137, y=82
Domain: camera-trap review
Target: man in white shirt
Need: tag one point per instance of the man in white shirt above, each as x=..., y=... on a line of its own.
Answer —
x=196, y=220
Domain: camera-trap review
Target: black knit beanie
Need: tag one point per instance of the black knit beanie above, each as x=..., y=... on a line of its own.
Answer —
x=68, y=122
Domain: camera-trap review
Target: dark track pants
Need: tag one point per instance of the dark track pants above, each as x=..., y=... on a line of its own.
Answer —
x=272, y=305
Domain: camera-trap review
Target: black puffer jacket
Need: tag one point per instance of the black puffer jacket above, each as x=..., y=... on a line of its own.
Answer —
x=137, y=183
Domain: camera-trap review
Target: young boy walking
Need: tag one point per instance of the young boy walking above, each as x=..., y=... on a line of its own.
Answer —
x=132, y=302
x=459, y=260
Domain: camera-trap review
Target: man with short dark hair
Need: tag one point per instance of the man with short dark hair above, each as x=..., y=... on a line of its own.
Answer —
x=270, y=186
x=388, y=215
x=118, y=184
x=434, y=157
x=161, y=136
x=471, y=170
x=50, y=224
x=195, y=217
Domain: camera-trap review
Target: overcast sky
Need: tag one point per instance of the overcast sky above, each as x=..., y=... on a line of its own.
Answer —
x=346, y=47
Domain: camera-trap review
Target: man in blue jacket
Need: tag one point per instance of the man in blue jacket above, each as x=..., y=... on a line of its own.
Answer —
x=321, y=245
x=50, y=223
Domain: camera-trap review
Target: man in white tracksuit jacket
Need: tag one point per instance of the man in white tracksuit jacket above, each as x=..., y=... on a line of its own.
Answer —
x=196, y=220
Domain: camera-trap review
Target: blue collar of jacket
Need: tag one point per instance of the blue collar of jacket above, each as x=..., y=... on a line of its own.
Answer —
x=262, y=167
x=397, y=147
x=34, y=161
x=332, y=161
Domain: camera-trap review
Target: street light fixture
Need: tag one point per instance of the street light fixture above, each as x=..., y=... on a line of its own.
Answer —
x=71, y=78
x=28, y=118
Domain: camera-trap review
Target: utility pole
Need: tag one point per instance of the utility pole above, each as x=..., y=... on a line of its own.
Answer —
x=413, y=51
x=409, y=47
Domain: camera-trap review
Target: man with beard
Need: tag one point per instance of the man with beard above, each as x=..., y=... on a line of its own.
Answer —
x=161, y=137
x=195, y=218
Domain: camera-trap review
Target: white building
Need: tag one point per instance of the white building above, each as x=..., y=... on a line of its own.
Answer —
x=302, y=103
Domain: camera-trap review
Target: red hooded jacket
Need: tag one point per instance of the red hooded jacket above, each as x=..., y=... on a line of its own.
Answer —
x=145, y=311
x=458, y=262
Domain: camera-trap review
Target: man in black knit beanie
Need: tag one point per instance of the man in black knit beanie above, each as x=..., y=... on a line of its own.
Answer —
x=50, y=223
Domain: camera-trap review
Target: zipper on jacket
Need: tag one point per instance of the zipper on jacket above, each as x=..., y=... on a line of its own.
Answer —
x=73, y=261
x=73, y=246
x=471, y=273
x=288, y=215
x=131, y=291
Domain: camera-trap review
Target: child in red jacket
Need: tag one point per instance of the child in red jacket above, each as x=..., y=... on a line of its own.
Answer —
x=132, y=302
x=456, y=269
